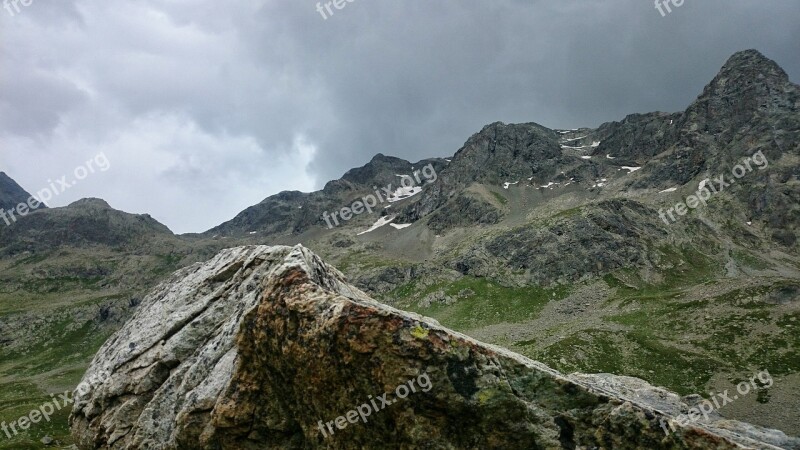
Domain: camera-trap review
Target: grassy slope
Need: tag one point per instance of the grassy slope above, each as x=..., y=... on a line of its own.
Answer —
x=65, y=317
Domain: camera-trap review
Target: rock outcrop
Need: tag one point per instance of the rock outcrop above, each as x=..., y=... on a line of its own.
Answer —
x=269, y=347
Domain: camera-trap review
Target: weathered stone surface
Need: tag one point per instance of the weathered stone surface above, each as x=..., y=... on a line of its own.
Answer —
x=253, y=348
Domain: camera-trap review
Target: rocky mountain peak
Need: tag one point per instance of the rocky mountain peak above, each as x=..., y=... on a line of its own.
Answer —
x=381, y=158
x=90, y=203
x=377, y=170
x=499, y=129
x=508, y=148
x=747, y=84
x=492, y=126
x=752, y=65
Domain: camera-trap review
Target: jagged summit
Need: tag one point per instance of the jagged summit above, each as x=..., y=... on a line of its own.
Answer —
x=750, y=69
x=749, y=83
x=379, y=170
x=754, y=64
x=380, y=157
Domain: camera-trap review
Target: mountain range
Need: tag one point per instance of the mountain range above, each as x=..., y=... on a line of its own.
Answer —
x=566, y=246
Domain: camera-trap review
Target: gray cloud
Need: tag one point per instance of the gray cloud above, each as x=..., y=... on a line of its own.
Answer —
x=205, y=108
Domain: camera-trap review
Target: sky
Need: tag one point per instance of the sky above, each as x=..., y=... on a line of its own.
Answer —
x=202, y=108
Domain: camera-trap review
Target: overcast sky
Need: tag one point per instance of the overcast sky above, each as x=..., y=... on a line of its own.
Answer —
x=205, y=107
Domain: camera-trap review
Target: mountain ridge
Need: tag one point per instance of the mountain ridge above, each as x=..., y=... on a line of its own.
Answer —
x=740, y=67
x=546, y=242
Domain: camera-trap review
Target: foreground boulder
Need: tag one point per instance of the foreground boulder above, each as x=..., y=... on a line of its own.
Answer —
x=270, y=348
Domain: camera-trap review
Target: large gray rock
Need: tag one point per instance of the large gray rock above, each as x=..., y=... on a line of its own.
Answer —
x=262, y=346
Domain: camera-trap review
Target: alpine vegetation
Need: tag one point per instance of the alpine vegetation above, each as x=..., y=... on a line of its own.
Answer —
x=47, y=409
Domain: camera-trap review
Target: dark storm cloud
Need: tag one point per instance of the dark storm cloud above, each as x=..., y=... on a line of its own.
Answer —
x=206, y=107
x=417, y=78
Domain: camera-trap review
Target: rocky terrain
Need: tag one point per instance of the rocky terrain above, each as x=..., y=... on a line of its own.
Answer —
x=252, y=348
x=555, y=244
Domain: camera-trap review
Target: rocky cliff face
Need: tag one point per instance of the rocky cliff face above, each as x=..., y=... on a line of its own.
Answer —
x=269, y=347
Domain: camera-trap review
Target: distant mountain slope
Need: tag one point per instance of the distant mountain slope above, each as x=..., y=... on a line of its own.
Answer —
x=83, y=223
x=11, y=193
x=749, y=106
x=292, y=213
